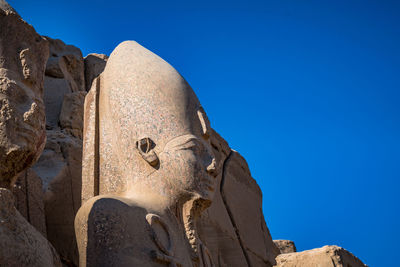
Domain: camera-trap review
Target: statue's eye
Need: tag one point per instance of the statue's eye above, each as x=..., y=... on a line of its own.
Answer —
x=144, y=144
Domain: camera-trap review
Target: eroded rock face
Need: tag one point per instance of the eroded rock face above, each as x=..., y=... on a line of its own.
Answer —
x=285, y=246
x=23, y=55
x=59, y=166
x=254, y=234
x=29, y=197
x=327, y=256
x=225, y=227
x=64, y=75
x=71, y=117
x=21, y=244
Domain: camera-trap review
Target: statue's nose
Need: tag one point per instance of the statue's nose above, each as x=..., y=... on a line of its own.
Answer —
x=212, y=168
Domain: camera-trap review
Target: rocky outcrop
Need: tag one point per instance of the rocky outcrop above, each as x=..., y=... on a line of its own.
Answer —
x=29, y=198
x=327, y=256
x=23, y=55
x=285, y=246
x=59, y=166
x=232, y=238
x=64, y=75
x=21, y=244
x=71, y=117
x=215, y=227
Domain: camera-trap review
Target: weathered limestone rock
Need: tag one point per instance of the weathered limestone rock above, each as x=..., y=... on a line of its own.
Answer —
x=233, y=239
x=64, y=75
x=20, y=243
x=71, y=117
x=22, y=122
x=23, y=54
x=285, y=246
x=253, y=233
x=29, y=198
x=215, y=225
x=59, y=168
x=94, y=65
x=327, y=256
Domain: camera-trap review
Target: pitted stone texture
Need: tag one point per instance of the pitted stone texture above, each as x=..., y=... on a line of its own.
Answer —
x=327, y=256
x=29, y=200
x=59, y=167
x=23, y=55
x=285, y=246
x=21, y=244
x=71, y=117
x=94, y=66
x=64, y=75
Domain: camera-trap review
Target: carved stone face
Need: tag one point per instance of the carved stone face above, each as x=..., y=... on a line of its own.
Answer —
x=189, y=166
x=153, y=132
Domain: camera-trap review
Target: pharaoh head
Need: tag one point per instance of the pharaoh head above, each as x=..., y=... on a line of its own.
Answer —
x=153, y=135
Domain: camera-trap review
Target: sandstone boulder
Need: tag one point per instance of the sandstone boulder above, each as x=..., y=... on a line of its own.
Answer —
x=327, y=256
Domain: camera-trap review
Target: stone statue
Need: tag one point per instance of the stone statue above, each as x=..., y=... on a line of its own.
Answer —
x=23, y=56
x=148, y=168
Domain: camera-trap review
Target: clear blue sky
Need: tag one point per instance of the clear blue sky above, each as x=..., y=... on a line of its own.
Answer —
x=307, y=91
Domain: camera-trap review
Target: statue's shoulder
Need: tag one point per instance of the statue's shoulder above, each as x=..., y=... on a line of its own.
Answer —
x=108, y=214
x=113, y=232
x=116, y=231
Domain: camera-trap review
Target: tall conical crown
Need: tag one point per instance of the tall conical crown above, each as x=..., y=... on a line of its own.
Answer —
x=139, y=95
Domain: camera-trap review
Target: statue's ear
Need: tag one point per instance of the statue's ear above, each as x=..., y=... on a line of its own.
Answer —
x=145, y=146
x=205, y=123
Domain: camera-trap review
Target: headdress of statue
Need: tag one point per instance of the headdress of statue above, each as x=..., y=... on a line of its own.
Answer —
x=145, y=131
x=148, y=158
